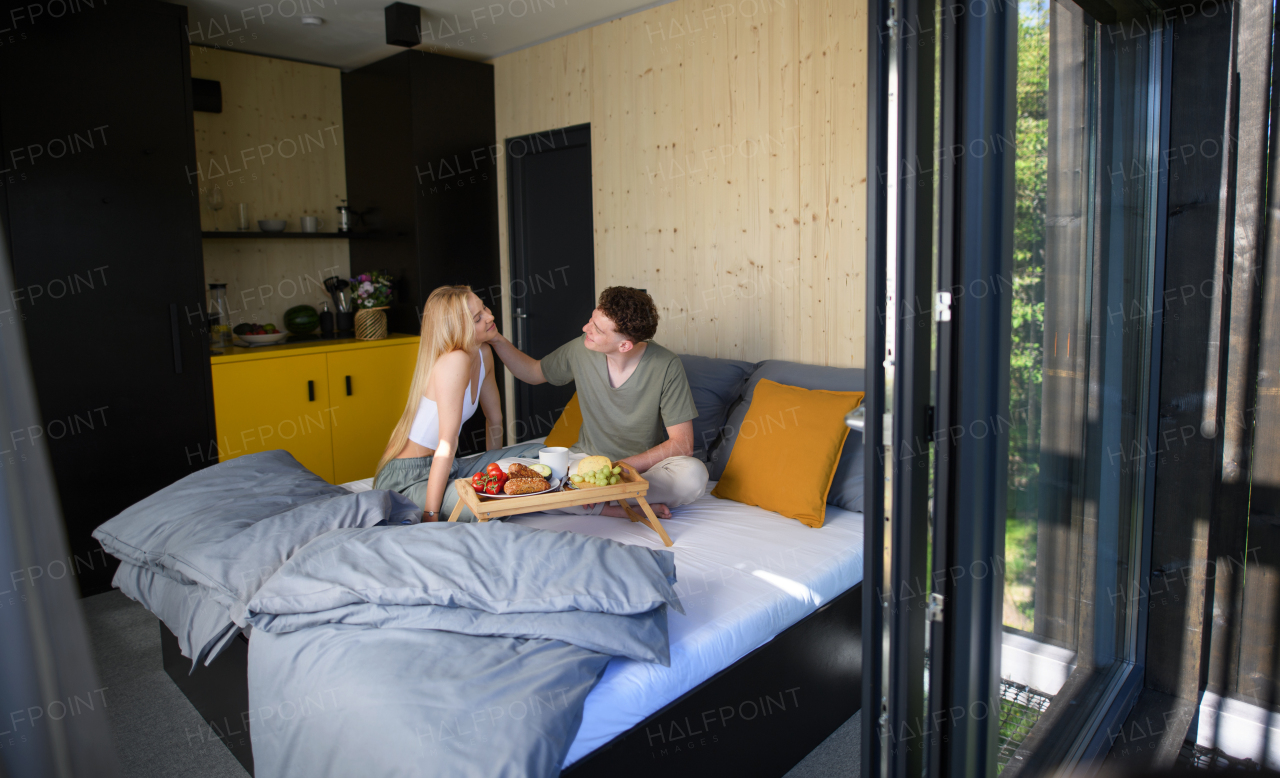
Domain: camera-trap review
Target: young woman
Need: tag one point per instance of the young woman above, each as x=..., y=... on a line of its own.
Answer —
x=454, y=378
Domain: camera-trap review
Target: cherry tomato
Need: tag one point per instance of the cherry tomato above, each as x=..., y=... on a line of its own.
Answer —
x=494, y=486
x=494, y=471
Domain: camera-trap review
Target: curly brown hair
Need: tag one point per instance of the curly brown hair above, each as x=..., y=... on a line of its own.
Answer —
x=631, y=310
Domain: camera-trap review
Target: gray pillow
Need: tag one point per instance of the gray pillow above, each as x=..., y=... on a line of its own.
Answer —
x=209, y=505
x=229, y=527
x=716, y=384
x=846, y=487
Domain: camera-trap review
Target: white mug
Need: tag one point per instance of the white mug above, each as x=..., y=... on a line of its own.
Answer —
x=556, y=458
x=311, y=223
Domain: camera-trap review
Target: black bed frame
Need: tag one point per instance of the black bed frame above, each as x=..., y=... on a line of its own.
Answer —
x=760, y=716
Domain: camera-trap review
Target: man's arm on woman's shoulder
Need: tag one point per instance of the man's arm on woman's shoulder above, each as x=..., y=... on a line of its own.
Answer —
x=521, y=365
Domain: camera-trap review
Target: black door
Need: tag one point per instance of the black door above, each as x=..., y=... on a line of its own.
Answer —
x=553, y=278
x=103, y=223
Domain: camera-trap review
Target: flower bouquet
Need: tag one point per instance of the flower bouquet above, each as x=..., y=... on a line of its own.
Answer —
x=371, y=294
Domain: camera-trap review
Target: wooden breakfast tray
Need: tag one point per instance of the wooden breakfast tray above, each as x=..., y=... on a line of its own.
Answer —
x=631, y=486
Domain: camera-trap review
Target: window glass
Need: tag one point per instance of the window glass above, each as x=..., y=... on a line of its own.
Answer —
x=1082, y=288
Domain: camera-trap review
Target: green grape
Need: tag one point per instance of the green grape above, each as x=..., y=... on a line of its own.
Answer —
x=577, y=479
x=613, y=479
x=617, y=470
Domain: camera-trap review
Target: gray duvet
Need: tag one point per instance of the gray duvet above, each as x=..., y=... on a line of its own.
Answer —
x=444, y=649
x=431, y=649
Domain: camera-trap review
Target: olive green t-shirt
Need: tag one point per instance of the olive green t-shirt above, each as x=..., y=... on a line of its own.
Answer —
x=623, y=421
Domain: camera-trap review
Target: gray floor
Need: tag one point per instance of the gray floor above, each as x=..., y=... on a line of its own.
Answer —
x=157, y=731
x=839, y=755
x=159, y=734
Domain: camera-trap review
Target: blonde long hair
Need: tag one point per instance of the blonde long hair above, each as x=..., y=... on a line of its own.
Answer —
x=446, y=326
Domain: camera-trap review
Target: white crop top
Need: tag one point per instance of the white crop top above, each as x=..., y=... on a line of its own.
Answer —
x=426, y=425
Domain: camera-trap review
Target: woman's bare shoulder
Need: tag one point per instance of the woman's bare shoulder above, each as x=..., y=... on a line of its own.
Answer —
x=486, y=353
x=454, y=363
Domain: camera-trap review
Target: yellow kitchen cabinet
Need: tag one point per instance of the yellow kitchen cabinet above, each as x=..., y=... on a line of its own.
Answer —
x=295, y=397
x=275, y=403
x=367, y=389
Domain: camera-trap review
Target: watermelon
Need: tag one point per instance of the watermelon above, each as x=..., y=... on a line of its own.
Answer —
x=301, y=320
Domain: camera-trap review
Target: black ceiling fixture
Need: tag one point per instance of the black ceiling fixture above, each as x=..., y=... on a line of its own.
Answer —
x=404, y=25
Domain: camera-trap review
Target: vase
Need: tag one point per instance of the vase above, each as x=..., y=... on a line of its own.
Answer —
x=371, y=324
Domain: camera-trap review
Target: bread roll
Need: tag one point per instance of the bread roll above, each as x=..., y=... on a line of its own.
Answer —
x=518, y=470
x=526, y=485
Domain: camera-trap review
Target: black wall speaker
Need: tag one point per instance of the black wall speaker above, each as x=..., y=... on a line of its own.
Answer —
x=404, y=25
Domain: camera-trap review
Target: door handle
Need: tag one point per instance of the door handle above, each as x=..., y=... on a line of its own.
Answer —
x=177, y=338
x=311, y=391
x=520, y=316
x=348, y=386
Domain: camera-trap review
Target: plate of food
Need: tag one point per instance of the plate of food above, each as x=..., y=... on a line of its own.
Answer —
x=254, y=334
x=514, y=477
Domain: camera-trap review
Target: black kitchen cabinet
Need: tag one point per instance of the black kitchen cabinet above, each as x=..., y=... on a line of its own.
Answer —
x=422, y=156
x=100, y=199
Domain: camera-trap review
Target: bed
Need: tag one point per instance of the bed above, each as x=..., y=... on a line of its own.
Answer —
x=765, y=661
x=767, y=653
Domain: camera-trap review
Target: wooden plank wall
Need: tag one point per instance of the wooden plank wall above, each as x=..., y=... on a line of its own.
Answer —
x=729, y=167
x=278, y=146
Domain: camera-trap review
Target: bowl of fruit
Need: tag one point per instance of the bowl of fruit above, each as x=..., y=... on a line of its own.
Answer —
x=259, y=334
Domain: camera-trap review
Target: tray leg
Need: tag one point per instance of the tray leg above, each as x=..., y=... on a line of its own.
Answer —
x=631, y=512
x=652, y=521
x=462, y=489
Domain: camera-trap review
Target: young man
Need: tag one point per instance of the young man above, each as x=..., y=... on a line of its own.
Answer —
x=630, y=390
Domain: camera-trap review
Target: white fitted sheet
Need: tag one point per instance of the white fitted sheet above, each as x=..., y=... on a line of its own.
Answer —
x=745, y=575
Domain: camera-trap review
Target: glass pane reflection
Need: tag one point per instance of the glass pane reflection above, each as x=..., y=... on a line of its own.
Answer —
x=1086, y=182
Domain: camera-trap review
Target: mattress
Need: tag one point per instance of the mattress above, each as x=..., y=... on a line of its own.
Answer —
x=745, y=575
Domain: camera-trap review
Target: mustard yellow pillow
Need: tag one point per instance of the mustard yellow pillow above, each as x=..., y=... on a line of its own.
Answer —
x=565, y=431
x=787, y=450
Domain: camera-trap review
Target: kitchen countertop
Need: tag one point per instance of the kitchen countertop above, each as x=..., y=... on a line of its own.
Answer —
x=241, y=354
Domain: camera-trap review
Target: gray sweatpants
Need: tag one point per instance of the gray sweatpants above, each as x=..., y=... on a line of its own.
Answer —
x=409, y=476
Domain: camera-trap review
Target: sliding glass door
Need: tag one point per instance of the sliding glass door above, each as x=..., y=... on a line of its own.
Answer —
x=1085, y=331
x=1019, y=561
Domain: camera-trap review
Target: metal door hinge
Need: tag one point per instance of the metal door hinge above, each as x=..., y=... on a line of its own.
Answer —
x=934, y=611
x=929, y=414
x=942, y=306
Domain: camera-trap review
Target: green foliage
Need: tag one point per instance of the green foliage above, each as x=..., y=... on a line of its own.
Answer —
x=1027, y=352
x=1031, y=178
